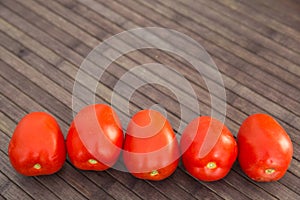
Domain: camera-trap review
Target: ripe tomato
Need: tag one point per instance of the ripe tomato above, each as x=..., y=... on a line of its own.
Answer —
x=265, y=149
x=95, y=138
x=218, y=160
x=37, y=146
x=150, y=148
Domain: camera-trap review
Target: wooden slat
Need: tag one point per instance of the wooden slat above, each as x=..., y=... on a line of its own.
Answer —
x=149, y=93
x=248, y=94
x=275, y=188
x=104, y=185
x=256, y=25
x=178, y=190
x=94, y=17
x=53, y=55
x=81, y=182
x=244, y=186
x=290, y=8
x=117, y=175
x=36, y=62
x=23, y=100
x=246, y=37
x=70, y=89
x=40, y=35
x=10, y=190
x=114, y=188
x=281, y=13
x=234, y=61
x=58, y=34
x=139, y=187
x=288, y=104
x=75, y=72
x=118, y=71
x=292, y=182
x=191, y=185
x=268, y=21
x=22, y=67
x=36, y=89
x=229, y=45
x=295, y=164
x=1, y=197
x=230, y=87
x=248, y=187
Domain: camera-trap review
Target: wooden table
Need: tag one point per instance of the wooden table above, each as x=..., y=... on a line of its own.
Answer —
x=255, y=44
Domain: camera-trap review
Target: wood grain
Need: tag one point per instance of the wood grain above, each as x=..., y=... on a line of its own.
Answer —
x=254, y=44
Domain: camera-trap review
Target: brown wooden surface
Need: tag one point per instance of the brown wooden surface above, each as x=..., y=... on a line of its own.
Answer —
x=255, y=44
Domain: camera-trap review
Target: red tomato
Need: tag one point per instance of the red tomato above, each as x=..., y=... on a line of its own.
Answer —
x=150, y=148
x=218, y=160
x=37, y=146
x=95, y=138
x=265, y=149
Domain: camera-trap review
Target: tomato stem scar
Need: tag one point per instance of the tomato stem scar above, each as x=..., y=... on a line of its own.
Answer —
x=211, y=165
x=154, y=173
x=92, y=161
x=269, y=171
x=37, y=166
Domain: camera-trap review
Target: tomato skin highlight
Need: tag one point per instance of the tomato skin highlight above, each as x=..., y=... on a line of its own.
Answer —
x=216, y=164
x=265, y=149
x=95, y=138
x=37, y=146
x=150, y=148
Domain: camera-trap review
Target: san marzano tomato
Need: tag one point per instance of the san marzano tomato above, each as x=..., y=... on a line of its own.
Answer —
x=265, y=149
x=95, y=138
x=150, y=148
x=37, y=146
x=218, y=160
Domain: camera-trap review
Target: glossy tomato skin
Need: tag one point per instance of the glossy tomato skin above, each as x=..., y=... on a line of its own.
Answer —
x=95, y=138
x=218, y=161
x=150, y=149
x=37, y=145
x=265, y=149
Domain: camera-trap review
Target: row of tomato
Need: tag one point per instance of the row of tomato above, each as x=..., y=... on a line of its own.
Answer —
x=150, y=149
